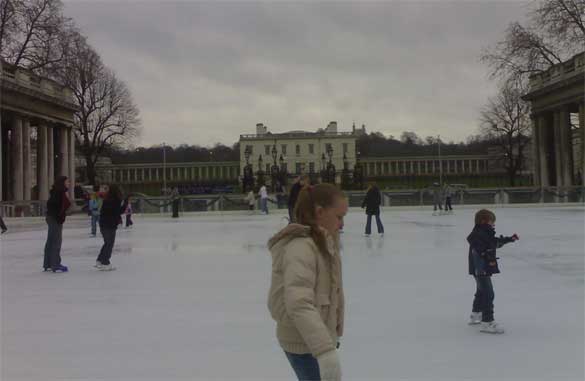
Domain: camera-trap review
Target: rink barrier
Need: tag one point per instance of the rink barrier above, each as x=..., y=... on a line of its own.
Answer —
x=144, y=204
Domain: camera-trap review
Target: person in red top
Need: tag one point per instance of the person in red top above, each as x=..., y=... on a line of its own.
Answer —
x=57, y=207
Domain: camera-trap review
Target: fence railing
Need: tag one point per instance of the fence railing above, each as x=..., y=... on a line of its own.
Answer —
x=390, y=198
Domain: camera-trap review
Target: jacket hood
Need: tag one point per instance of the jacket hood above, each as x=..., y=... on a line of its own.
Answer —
x=289, y=233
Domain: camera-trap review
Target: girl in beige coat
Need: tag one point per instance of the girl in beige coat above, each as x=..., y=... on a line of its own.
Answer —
x=306, y=293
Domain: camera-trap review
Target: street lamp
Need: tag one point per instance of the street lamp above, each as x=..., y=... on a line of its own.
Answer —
x=164, y=168
x=323, y=161
x=330, y=152
x=440, y=161
x=260, y=161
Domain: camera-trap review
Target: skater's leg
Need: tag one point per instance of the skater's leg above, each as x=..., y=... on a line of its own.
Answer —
x=478, y=297
x=2, y=225
x=290, y=214
x=94, y=221
x=484, y=283
x=379, y=224
x=305, y=366
x=369, y=224
x=106, y=251
x=53, y=246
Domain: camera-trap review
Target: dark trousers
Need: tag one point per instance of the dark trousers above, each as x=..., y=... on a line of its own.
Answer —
x=53, y=245
x=106, y=251
x=448, y=204
x=176, y=208
x=291, y=210
x=484, y=298
x=2, y=224
x=438, y=204
x=95, y=218
x=305, y=366
x=129, y=220
x=378, y=223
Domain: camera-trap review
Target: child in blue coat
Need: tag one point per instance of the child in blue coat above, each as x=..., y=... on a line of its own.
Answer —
x=482, y=264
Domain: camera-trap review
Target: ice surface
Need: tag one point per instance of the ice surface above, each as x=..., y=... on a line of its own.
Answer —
x=188, y=301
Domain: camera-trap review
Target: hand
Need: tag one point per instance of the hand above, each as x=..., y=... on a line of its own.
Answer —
x=329, y=366
x=515, y=237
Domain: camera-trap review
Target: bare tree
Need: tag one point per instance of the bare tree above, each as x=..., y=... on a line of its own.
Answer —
x=555, y=31
x=34, y=34
x=107, y=116
x=506, y=121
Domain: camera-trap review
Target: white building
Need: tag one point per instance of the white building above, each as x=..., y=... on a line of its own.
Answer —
x=301, y=152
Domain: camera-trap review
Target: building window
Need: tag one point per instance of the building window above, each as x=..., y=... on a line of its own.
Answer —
x=298, y=149
x=283, y=167
x=327, y=147
x=298, y=168
x=267, y=168
x=345, y=147
x=250, y=149
x=311, y=149
x=283, y=149
x=311, y=166
x=267, y=149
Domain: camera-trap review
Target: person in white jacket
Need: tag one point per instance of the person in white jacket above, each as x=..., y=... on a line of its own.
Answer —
x=306, y=293
x=263, y=199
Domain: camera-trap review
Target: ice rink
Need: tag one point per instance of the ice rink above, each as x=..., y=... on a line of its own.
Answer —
x=188, y=300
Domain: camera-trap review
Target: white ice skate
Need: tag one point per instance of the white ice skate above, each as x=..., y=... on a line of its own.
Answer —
x=98, y=264
x=491, y=327
x=474, y=318
x=106, y=267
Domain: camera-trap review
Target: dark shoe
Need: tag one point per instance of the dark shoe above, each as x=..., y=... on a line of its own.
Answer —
x=60, y=269
x=4, y=231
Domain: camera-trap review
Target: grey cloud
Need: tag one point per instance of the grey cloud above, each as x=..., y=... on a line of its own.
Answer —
x=205, y=72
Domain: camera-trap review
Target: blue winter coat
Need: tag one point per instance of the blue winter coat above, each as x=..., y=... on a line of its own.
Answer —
x=482, y=250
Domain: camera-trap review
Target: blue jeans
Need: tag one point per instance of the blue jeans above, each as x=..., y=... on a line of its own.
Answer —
x=483, y=300
x=378, y=224
x=264, y=205
x=53, y=245
x=305, y=366
x=94, y=220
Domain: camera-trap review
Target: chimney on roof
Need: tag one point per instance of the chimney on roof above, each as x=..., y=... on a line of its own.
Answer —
x=331, y=128
x=261, y=129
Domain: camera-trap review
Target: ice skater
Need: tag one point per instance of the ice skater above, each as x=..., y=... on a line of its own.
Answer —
x=95, y=204
x=112, y=209
x=263, y=199
x=483, y=263
x=57, y=207
x=128, y=212
x=3, y=228
x=372, y=203
x=306, y=292
x=437, y=198
x=448, y=193
x=251, y=200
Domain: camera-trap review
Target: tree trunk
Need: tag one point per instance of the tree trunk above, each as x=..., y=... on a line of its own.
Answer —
x=90, y=170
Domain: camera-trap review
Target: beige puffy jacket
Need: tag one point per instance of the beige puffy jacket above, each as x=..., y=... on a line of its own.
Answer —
x=306, y=293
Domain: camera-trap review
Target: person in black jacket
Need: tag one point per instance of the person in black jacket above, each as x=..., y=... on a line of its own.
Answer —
x=294, y=195
x=112, y=209
x=57, y=207
x=482, y=264
x=372, y=203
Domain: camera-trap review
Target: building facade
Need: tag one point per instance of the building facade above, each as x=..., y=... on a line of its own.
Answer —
x=557, y=99
x=36, y=140
x=299, y=152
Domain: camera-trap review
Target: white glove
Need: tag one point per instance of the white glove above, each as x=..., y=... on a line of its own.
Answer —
x=329, y=366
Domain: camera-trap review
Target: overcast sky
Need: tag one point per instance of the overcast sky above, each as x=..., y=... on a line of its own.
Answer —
x=205, y=72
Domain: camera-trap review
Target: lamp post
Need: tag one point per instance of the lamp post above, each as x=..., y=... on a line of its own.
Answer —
x=164, y=168
x=440, y=161
x=274, y=168
x=330, y=167
x=248, y=179
x=260, y=172
x=345, y=175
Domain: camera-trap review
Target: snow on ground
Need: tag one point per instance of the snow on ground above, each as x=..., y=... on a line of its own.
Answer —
x=188, y=301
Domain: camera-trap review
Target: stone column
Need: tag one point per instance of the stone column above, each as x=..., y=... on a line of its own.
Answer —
x=1, y=157
x=582, y=130
x=535, y=152
x=566, y=146
x=411, y=167
x=418, y=166
x=17, y=160
x=42, y=163
x=558, y=148
x=541, y=130
x=50, y=156
x=71, y=138
x=27, y=160
x=64, y=152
